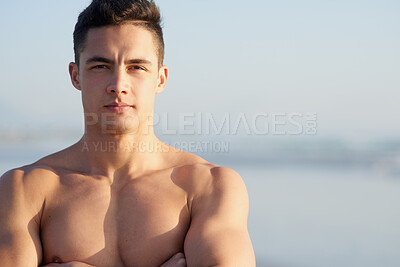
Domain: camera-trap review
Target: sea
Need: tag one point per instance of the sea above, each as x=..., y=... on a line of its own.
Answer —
x=311, y=205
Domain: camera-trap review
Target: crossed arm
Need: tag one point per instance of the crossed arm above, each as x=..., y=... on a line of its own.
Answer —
x=217, y=236
x=178, y=260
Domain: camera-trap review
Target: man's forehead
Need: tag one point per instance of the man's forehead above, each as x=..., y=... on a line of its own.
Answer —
x=126, y=38
x=123, y=30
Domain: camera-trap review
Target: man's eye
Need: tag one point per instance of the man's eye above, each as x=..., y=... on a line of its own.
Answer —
x=99, y=67
x=137, y=68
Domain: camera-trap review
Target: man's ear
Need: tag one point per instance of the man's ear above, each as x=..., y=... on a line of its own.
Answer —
x=74, y=74
x=162, y=79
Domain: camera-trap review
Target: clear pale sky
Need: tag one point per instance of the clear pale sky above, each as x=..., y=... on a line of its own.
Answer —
x=339, y=59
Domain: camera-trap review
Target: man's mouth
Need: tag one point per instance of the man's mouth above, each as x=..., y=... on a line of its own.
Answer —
x=118, y=107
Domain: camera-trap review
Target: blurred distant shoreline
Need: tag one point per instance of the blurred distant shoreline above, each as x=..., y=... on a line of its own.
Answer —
x=382, y=155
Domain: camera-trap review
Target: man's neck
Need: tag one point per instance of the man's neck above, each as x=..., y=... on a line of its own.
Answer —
x=113, y=154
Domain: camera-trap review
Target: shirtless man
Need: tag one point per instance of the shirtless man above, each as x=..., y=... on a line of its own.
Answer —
x=119, y=196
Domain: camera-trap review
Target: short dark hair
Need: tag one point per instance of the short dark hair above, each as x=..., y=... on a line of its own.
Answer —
x=101, y=13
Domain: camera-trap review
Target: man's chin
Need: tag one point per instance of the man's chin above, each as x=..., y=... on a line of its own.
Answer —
x=119, y=130
x=121, y=125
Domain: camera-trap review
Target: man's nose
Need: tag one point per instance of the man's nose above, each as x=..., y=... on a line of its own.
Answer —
x=119, y=84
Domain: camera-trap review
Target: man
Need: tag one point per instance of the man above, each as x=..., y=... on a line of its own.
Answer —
x=119, y=196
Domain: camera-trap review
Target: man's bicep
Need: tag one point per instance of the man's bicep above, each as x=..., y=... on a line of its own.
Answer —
x=218, y=234
x=222, y=247
x=17, y=249
x=19, y=230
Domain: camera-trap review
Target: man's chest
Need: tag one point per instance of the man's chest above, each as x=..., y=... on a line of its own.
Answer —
x=139, y=224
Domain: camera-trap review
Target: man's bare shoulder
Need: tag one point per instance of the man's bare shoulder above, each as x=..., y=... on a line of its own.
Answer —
x=30, y=179
x=37, y=176
x=23, y=191
x=202, y=177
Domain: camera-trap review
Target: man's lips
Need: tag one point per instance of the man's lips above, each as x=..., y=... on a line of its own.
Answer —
x=118, y=107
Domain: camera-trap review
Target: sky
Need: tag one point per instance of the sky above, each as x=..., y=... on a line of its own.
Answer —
x=337, y=59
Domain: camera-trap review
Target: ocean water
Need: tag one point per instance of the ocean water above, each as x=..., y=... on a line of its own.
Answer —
x=323, y=216
x=303, y=215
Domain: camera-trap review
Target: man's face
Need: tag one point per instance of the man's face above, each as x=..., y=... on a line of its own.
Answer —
x=119, y=76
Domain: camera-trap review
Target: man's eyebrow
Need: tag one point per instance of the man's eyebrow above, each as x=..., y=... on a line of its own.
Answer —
x=109, y=61
x=99, y=59
x=139, y=61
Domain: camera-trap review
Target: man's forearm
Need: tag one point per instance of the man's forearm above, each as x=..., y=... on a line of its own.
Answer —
x=178, y=260
x=68, y=264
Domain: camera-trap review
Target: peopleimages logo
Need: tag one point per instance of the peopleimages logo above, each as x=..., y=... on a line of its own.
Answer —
x=190, y=146
x=281, y=123
x=206, y=123
x=195, y=126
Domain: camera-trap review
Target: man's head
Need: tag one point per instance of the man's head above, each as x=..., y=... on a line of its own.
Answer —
x=102, y=13
x=119, y=51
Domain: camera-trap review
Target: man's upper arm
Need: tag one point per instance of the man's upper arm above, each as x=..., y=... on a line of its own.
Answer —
x=19, y=221
x=218, y=234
